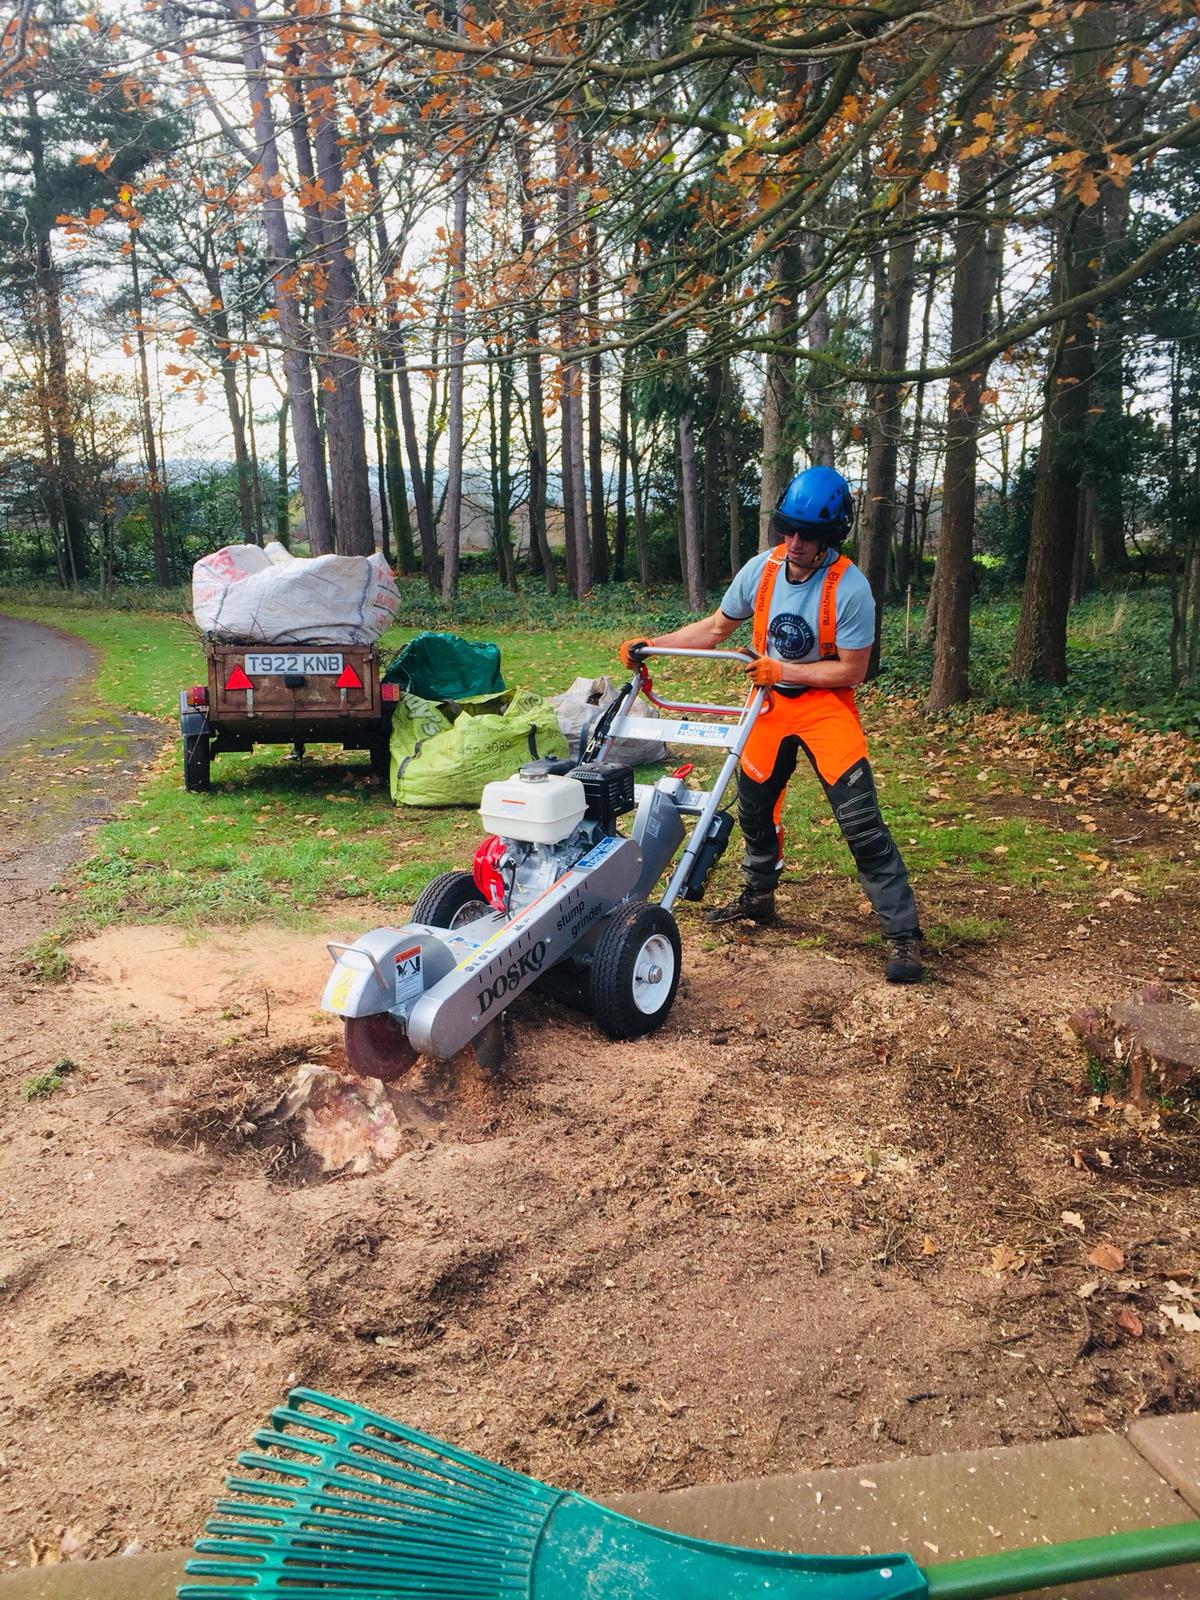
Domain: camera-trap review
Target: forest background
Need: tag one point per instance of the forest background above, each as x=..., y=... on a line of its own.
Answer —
x=611, y=273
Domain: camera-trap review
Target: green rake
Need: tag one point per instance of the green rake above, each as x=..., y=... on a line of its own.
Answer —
x=344, y=1504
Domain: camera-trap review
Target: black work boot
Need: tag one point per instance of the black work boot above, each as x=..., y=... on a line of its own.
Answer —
x=751, y=905
x=904, y=958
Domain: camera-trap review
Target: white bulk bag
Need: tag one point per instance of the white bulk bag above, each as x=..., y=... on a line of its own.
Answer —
x=583, y=702
x=241, y=594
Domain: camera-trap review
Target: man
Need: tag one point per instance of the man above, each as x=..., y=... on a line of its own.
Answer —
x=813, y=628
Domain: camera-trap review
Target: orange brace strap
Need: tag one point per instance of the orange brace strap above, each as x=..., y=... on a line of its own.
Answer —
x=827, y=614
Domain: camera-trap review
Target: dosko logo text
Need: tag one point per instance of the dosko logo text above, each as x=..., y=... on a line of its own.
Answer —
x=525, y=966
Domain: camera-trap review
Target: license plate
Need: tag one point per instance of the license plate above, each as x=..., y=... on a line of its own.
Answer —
x=264, y=664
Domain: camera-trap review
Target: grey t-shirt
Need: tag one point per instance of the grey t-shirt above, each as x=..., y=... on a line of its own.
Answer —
x=795, y=608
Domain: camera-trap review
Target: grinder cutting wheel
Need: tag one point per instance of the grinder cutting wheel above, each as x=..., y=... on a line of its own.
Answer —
x=554, y=887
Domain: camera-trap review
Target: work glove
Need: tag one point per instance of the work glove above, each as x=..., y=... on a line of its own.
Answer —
x=765, y=673
x=628, y=660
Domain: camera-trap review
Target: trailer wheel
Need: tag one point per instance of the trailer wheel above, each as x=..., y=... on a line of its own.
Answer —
x=197, y=763
x=380, y=752
x=451, y=900
x=635, y=972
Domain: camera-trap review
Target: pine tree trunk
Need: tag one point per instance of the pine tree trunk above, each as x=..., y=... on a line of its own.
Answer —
x=381, y=477
x=1040, y=646
x=395, y=366
x=282, y=513
x=233, y=402
x=567, y=479
x=575, y=511
x=892, y=308
x=539, y=543
x=904, y=564
x=500, y=429
x=162, y=565
x=639, y=510
x=64, y=462
x=714, y=454
x=599, y=513
x=352, y=516
x=692, y=563
x=457, y=346
x=397, y=487
x=1108, y=395
x=971, y=297
x=621, y=538
x=734, y=509
x=256, y=499
x=778, y=395
x=314, y=490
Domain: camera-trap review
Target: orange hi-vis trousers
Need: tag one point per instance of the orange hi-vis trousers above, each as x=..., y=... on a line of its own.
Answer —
x=824, y=724
x=826, y=721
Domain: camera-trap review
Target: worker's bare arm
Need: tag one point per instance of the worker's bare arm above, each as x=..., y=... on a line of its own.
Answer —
x=710, y=633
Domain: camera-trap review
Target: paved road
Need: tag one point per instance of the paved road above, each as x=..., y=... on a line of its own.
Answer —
x=66, y=764
x=37, y=667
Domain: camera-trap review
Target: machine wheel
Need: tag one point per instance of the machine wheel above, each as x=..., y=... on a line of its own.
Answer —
x=377, y=1047
x=635, y=972
x=452, y=899
x=197, y=763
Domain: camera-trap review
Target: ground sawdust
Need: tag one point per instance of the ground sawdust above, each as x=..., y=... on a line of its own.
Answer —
x=815, y=1220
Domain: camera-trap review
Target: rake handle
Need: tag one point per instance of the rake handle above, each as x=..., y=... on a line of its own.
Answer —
x=1041, y=1566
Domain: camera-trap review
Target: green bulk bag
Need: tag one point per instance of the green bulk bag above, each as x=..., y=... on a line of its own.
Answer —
x=445, y=760
x=443, y=666
x=414, y=722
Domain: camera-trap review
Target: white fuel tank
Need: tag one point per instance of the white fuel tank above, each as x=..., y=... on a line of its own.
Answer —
x=536, y=810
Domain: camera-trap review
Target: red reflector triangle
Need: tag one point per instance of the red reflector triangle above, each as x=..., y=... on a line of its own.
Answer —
x=238, y=680
x=349, y=679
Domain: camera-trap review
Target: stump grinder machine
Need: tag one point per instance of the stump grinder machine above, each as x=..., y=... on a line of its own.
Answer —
x=558, y=896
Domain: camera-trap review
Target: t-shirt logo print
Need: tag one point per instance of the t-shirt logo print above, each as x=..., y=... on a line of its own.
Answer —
x=791, y=636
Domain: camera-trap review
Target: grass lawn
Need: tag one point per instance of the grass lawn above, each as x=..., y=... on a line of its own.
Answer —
x=279, y=840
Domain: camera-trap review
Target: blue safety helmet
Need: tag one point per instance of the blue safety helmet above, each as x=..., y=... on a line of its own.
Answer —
x=818, y=504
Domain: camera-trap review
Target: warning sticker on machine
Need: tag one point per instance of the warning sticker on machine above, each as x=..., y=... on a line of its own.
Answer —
x=409, y=985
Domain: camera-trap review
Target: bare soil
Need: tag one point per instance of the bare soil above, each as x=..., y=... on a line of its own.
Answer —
x=816, y=1220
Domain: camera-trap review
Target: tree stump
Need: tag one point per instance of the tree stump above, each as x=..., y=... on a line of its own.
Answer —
x=1155, y=1038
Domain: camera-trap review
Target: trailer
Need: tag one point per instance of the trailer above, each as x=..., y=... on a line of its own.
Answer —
x=293, y=695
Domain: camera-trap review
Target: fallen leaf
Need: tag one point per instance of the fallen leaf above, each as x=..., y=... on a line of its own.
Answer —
x=1006, y=1259
x=1073, y=1220
x=1107, y=1257
x=1187, y=1320
x=1103, y=1157
x=1086, y=1290
x=867, y=1483
x=1178, y=1290
x=1130, y=1321
x=929, y=1245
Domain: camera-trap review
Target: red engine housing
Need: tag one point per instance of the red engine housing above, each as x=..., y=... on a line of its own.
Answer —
x=485, y=869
